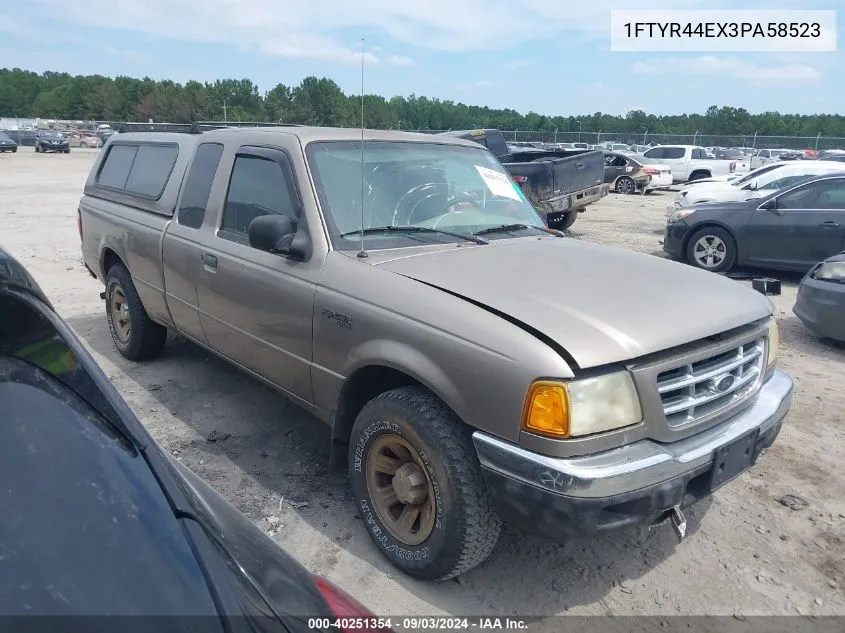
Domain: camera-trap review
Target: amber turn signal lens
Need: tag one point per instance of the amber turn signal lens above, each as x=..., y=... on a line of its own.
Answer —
x=547, y=410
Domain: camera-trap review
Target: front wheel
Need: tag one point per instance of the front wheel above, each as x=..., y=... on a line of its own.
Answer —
x=418, y=485
x=135, y=335
x=712, y=248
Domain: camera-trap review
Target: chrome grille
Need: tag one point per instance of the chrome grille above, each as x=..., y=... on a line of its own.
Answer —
x=703, y=388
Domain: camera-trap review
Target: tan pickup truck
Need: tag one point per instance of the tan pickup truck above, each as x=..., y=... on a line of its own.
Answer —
x=396, y=286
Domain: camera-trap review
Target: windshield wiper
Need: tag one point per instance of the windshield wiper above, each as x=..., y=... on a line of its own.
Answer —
x=417, y=229
x=507, y=228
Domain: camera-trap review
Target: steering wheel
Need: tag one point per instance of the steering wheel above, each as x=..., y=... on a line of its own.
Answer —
x=456, y=198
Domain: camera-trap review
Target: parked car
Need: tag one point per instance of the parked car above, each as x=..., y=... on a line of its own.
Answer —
x=84, y=141
x=561, y=184
x=729, y=153
x=735, y=177
x=821, y=299
x=766, y=156
x=98, y=520
x=51, y=141
x=793, y=156
x=791, y=229
x=629, y=174
x=389, y=308
x=689, y=162
x=7, y=143
x=761, y=185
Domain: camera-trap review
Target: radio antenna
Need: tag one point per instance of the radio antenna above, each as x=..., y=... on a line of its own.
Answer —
x=362, y=253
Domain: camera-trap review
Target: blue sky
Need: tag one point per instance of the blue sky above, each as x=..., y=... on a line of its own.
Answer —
x=549, y=56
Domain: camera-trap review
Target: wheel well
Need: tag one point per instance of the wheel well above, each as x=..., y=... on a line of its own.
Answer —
x=711, y=225
x=699, y=173
x=110, y=258
x=361, y=387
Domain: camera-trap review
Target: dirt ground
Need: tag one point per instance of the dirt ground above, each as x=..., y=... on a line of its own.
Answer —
x=746, y=553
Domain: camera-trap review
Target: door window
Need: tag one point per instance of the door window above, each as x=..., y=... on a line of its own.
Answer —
x=698, y=153
x=258, y=186
x=673, y=152
x=824, y=194
x=198, y=185
x=655, y=152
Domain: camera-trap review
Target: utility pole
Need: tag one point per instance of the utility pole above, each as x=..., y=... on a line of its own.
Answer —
x=579, y=130
x=225, y=118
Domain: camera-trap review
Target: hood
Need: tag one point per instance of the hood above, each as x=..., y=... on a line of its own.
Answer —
x=602, y=304
x=727, y=193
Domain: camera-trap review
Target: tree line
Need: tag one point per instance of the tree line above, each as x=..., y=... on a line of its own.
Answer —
x=320, y=101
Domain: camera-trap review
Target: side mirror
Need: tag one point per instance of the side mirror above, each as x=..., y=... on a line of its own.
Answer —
x=276, y=234
x=752, y=186
x=770, y=205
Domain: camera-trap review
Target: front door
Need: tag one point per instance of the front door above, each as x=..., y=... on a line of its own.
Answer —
x=806, y=226
x=256, y=307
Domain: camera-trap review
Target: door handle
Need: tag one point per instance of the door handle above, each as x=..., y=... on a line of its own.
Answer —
x=209, y=262
x=830, y=224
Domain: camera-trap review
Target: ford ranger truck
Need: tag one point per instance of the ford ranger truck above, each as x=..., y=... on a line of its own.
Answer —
x=386, y=283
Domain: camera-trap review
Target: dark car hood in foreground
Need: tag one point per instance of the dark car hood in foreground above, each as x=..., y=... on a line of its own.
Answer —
x=85, y=528
x=602, y=304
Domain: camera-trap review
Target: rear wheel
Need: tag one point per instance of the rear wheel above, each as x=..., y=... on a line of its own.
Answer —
x=562, y=221
x=135, y=335
x=418, y=485
x=625, y=185
x=712, y=248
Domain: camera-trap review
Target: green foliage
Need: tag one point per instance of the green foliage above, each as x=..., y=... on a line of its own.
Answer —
x=320, y=101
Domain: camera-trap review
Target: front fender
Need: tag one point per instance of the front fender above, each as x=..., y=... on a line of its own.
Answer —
x=412, y=362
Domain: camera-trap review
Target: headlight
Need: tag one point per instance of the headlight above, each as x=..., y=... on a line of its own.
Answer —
x=581, y=407
x=830, y=271
x=681, y=214
x=774, y=344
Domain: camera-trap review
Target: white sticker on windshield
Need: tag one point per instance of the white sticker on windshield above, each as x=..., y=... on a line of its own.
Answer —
x=498, y=183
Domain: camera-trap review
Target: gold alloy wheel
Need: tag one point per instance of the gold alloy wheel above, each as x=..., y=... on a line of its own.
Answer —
x=120, y=314
x=400, y=489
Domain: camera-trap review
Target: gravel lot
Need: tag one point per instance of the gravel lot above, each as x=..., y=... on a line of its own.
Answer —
x=747, y=553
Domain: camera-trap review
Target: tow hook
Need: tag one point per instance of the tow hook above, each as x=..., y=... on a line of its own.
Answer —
x=679, y=522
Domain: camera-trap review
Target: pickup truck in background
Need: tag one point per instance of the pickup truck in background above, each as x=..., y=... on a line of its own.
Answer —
x=690, y=162
x=399, y=291
x=559, y=182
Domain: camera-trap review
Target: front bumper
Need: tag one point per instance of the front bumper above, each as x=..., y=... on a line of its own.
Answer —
x=51, y=147
x=673, y=238
x=821, y=308
x=565, y=498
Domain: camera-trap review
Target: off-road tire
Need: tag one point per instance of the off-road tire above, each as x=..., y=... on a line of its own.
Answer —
x=146, y=338
x=467, y=526
x=562, y=221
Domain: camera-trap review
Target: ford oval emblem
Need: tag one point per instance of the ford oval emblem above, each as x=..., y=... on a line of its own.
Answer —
x=723, y=383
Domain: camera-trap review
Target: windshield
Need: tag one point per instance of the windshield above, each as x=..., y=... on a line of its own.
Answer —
x=448, y=188
x=50, y=134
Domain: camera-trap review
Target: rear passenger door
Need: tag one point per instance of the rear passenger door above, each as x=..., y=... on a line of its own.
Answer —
x=183, y=242
x=256, y=307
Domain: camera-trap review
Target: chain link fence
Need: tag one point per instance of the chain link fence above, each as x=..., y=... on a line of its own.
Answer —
x=704, y=140
x=555, y=136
